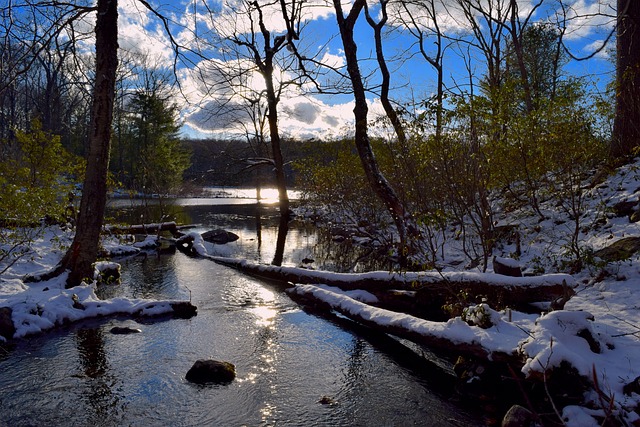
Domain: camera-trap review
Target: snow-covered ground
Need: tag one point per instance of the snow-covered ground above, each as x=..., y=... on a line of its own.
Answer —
x=605, y=305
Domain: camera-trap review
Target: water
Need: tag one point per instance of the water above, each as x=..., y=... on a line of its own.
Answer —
x=288, y=361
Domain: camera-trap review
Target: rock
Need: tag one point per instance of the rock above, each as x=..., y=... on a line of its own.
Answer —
x=211, y=372
x=219, y=236
x=632, y=387
x=635, y=216
x=506, y=267
x=518, y=416
x=625, y=208
x=620, y=250
x=184, y=310
x=7, y=329
x=124, y=330
x=327, y=400
x=108, y=272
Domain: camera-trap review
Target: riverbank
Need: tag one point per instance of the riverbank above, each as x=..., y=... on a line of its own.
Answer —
x=597, y=334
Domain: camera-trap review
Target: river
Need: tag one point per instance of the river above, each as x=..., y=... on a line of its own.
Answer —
x=294, y=368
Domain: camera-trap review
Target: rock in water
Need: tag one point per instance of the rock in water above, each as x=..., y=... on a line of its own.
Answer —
x=7, y=329
x=219, y=236
x=211, y=372
x=124, y=330
x=184, y=310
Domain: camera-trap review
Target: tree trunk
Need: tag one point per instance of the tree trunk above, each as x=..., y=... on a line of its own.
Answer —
x=266, y=69
x=276, y=149
x=376, y=179
x=83, y=251
x=626, y=126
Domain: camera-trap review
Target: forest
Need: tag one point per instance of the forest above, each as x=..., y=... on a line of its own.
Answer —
x=463, y=118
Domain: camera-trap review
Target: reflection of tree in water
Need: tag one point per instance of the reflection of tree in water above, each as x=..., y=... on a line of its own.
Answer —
x=283, y=229
x=100, y=382
x=259, y=230
x=147, y=211
x=347, y=256
x=5, y=350
x=358, y=355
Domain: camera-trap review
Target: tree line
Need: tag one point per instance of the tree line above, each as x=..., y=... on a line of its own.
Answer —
x=508, y=130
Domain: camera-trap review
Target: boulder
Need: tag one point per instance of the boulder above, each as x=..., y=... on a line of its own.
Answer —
x=506, y=267
x=619, y=250
x=624, y=208
x=211, y=372
x=219, y=236
x=7, y=329
x=518, y=416
x=184, y=310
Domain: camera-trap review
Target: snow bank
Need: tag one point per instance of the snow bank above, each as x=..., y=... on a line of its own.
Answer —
x=42, y=306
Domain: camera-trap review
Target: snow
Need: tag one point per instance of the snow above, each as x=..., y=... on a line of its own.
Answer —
x=605, y=306
x=409, y=277
x=508, y=262
x=503, y=337
x=37, y=307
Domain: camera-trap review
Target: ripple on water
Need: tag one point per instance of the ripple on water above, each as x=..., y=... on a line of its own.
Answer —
x=286, y=362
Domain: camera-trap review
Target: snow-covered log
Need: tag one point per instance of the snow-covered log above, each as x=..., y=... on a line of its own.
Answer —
x=454, y=336
x=170, y=226
x=429, y=291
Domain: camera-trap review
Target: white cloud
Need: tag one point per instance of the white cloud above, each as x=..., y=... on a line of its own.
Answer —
x=238, y=17
x=140, y=32
x=603, y=53
x=333, y=60
x=300, y=117
x=585, y=18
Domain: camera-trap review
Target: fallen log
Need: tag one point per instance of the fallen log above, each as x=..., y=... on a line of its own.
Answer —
x=454, y=336
x=425, y=293
x=171, y=227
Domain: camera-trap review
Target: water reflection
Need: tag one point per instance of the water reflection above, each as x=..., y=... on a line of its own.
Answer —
x=286, y=361
x=283, y=229
x=266, y=236
x=99, y=381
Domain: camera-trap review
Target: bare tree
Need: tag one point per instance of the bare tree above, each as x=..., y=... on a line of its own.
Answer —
x=381, y=186
x=421, y=20
x=51, y=19
x=266, y=51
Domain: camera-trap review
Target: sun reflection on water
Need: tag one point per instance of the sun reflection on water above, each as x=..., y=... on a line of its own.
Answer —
x=265, y=316
x=265, y=312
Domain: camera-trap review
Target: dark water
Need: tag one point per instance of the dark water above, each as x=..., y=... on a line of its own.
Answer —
x=287, y=360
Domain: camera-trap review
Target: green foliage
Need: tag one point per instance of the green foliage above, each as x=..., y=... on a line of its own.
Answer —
x=531, y=141
x=331, y=175
x=457, y=304
x=478, y=315
x=149, y=156
x=36, y=182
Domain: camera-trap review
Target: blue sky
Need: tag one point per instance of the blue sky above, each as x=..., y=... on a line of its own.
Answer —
x=305, y=114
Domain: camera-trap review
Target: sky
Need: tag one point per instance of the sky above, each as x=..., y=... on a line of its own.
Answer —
x=304, y=113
